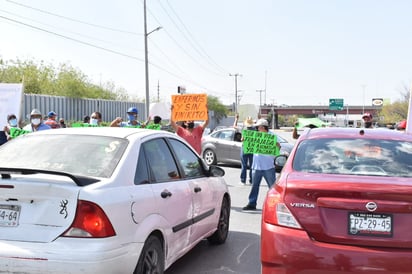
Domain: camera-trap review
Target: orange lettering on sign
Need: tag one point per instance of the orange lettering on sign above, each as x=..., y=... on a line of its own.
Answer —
x=189, y=107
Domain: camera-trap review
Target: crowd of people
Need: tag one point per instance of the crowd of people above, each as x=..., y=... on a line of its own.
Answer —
x=38, y=122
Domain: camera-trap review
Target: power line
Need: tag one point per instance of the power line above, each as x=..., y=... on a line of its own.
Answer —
x=65, y=30
x=73, y=39
x=183, y=50
x=72, y=19
x=191, y=41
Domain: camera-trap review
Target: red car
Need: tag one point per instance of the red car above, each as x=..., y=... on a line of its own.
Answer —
x=342, y=204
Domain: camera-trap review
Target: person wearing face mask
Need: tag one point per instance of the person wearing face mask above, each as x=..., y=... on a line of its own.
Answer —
x=36, y=122
x=11, y=123
x=131, y=122
x=192, y=134
x=95, y=119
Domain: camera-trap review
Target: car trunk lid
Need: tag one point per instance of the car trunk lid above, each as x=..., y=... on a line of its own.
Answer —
x=36, y=208
x=348, y=211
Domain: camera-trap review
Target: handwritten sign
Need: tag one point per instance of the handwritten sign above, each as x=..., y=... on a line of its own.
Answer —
x=154, y=126
x=259, y=142
x=189, y=107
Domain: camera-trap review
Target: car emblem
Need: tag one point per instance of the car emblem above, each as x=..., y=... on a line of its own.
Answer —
x=371, y=206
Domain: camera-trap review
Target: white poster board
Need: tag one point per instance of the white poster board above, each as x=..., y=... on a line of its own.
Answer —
x=160, y=109
x=11, y=96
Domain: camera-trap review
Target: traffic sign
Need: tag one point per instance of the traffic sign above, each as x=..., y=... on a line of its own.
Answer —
x=335, y=104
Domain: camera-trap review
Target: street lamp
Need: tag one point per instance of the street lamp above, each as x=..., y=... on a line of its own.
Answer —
x=146, y=59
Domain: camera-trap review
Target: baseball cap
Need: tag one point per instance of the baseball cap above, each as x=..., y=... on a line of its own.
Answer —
x=367, y=115
x=52, y=113
x=132, y=110
x=262, y=122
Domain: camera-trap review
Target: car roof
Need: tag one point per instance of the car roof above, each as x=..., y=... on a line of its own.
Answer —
x=119, y=132
x=337, y=132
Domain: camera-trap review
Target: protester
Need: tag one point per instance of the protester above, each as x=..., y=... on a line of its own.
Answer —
x=51, y=120
x=295, y=133
x=36, y=122
x=367, y=120
x=62, y=123
x=156, y=123
x=132, y=121
x=193, y=135
x=95, y=118
x=262, y=166
x=12, y=122
x=246, y=159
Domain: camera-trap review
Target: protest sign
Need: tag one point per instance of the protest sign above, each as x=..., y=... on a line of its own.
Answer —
x=11, y=97
x=189, y=107
x=256, y=142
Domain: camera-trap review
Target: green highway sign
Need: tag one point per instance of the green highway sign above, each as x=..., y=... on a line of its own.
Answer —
x=335, y=104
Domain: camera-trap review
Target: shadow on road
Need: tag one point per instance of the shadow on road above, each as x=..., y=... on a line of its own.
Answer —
x=240, y=254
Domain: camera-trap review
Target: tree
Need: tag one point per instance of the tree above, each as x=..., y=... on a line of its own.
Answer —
x=397, y=110
x=219, y=110
x=65, y=80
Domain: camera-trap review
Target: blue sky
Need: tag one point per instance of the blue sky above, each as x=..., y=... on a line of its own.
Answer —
x=301, y=51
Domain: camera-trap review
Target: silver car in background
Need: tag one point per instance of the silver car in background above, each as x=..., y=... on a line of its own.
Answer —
x=223, y=146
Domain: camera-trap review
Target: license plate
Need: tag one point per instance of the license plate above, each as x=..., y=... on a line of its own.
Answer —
x=370, y=224
x=9, y=215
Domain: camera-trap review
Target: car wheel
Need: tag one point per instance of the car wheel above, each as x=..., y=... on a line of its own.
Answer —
x=151, y=260
x=220, y=235
x=210, y=157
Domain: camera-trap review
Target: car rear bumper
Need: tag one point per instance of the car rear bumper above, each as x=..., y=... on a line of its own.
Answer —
x=89, y=256
x=286, y=250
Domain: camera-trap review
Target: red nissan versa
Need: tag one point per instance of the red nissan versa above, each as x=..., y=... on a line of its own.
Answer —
x=342, y=204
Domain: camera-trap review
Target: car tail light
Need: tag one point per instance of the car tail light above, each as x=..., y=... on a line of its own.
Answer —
x=276, y=212
x=90, y=222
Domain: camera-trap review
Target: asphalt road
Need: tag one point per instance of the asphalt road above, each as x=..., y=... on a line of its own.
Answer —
x=241, y=252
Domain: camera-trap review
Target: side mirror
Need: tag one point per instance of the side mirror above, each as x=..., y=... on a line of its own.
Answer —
x=216, y=171
x=280, y=161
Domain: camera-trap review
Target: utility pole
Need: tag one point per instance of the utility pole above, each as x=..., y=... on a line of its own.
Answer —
x=146, y=59
x=363, y=99
x=158, y=91
x=260, y=102
x=235, y=75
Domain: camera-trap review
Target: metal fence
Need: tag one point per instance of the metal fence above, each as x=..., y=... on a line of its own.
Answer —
x=74, y=109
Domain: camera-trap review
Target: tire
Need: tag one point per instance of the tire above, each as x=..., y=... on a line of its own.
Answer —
x=210, y=157
x=220, y=235
x=151, y=260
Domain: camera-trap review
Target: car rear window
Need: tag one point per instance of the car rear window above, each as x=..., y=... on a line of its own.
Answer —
x=95, y=156
x=355, y=156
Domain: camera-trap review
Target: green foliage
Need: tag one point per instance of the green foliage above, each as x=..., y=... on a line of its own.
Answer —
x=214, y=104
x=65, y=80
x=397, y=110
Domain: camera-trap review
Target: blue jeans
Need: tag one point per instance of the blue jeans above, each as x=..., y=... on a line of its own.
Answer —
x=245, y=158
x=270, y=177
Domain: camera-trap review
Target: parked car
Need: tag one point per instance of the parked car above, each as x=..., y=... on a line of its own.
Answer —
x=100, y=200
x=224, y=146
x=341, y=204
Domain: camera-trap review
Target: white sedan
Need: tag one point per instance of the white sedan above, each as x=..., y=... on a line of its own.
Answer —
x=106, y=200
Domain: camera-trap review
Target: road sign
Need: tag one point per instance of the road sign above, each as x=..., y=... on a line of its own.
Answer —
x=335, y=104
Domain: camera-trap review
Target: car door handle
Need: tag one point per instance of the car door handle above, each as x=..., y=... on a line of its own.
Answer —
x=198, y=189
x=165, y=194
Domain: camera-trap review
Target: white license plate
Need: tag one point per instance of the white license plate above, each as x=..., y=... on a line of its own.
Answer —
x=370, y=224
x=9, y=215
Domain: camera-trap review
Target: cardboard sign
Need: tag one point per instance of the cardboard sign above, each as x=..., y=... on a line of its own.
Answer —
x=255, y=142
x=189, y=107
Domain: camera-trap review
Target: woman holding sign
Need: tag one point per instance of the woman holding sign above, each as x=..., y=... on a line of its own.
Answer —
x=265, y=147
